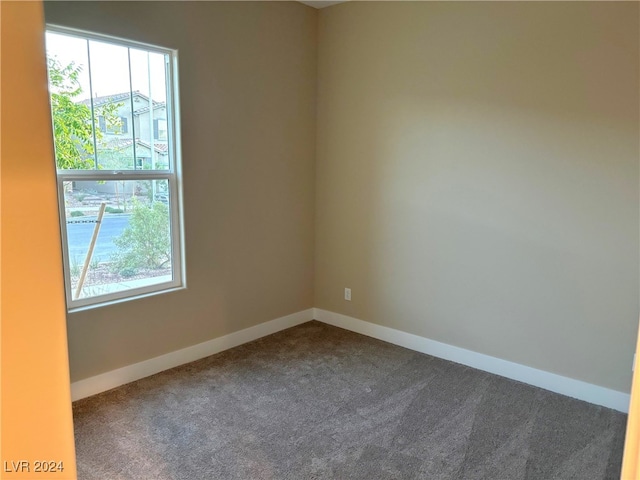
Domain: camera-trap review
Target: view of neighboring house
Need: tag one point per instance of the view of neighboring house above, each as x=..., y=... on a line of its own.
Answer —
x=135, y=122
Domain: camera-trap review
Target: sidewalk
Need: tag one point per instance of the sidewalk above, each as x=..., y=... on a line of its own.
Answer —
x=103, y=289
x=93, y=218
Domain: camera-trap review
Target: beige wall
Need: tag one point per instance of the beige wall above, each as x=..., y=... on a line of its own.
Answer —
x=247, y=93
x=35, y=407
x=477, y=177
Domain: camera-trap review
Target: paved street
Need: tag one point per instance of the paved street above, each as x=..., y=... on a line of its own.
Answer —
x=79, y=233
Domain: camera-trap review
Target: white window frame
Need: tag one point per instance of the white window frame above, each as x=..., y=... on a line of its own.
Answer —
x=173, y=176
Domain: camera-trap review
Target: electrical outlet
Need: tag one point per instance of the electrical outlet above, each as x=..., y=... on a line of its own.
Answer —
x=347, y=294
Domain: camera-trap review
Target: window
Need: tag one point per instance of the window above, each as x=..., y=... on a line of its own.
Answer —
x=160, y=129
x=115, y=127
x=116, y=138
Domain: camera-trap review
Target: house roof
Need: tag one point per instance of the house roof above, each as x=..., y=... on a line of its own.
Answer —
x=122, y=143
x=118, y=97
x=159, y=147
x=146, y=109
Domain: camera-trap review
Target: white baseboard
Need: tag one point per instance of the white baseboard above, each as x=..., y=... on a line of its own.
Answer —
x=539, y=378
x=130, y=373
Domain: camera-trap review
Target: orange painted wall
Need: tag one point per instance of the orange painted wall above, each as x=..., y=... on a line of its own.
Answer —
x=631, y=460
x=36, y=420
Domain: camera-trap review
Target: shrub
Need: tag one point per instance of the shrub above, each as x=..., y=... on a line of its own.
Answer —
x=77, y=213
x=94, y=264
x=75, y=267
x=146, y=242
x=128, y=272
x=113, y=210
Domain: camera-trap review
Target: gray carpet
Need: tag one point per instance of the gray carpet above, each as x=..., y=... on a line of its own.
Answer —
x=316, y=402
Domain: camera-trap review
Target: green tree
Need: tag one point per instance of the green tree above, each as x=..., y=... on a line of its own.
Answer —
x=117, y=158
x=72, y=125
x=146, y=242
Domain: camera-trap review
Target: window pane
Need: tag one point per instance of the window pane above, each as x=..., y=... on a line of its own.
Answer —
x=70, y=90
x=148, y=78
x=125, y=88
x=133, y=243
x=112, y=105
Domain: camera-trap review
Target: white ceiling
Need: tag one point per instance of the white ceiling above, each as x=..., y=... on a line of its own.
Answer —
x=321, y=3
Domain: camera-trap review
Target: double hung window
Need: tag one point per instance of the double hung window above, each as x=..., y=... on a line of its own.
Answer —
x=116, y=136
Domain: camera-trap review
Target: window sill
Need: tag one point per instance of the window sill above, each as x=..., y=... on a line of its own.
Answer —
x=107, y=303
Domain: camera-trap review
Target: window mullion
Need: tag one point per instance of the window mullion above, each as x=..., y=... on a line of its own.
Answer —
x=133, y=123
x=93, y=114
x=152, y=138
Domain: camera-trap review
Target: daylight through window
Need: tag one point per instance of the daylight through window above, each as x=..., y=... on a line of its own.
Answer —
x=114, y=113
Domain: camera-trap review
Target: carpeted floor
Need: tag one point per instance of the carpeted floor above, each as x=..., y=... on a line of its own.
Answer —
x=316, y=402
